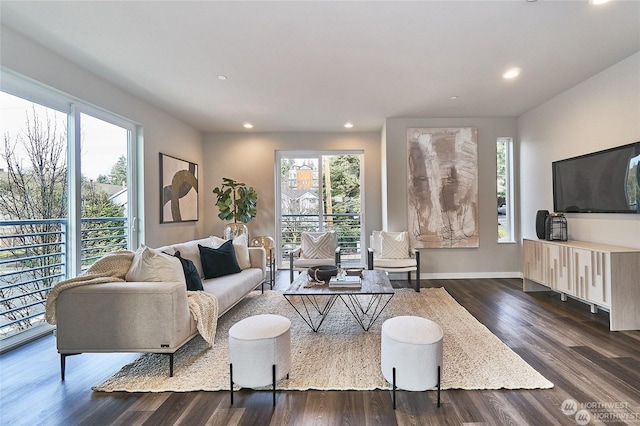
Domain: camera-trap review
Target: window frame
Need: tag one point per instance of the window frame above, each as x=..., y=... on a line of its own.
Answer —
x=509, y=188
x=33, y=91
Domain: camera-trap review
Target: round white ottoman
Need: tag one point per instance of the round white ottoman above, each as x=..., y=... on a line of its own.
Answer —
x=259, y=351
x=411, y=354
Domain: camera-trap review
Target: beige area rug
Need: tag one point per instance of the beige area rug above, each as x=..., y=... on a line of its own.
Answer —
x=341, y=355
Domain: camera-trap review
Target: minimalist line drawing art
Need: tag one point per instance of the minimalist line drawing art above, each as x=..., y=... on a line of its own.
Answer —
x=442, y=187
x=178, y=190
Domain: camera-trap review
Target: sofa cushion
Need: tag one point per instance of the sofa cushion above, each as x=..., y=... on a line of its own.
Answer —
x=230, y=289
x=241, y=246
x=219, y=262
x=191, y=274
x=189, y=250
x=151, y=265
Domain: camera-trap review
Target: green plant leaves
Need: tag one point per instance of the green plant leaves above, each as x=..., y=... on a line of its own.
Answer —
x=236, y=201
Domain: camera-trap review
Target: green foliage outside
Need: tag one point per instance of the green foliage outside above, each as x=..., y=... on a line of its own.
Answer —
x=34, y=186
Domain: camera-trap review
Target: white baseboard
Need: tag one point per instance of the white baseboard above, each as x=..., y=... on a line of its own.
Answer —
x=458, y=275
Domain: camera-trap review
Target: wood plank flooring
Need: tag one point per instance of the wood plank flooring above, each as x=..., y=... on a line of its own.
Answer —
x=573, y=348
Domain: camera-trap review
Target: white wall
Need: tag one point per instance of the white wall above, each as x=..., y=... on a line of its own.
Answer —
x=162, y=132
x=600, y=113
x=250, y=158
x=490, y=259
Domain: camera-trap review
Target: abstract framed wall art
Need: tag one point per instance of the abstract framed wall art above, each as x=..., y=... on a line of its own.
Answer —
x=178, y=190
x=442, y=187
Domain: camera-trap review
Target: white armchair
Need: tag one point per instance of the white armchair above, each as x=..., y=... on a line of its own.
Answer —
x=390, y=252
x=316, y=248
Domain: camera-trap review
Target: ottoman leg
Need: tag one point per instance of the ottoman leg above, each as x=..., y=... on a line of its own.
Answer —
x=438, y=386
x=231, y=382
x=273, y=370
x=394, y=387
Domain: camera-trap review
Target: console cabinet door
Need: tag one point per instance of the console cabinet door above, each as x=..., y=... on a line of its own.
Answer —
x=534, y=261
x=599, y=290
x=582, y=271
x=558, y=261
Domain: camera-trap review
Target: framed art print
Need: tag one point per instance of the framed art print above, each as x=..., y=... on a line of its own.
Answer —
x=442, y=187
x=178, y=190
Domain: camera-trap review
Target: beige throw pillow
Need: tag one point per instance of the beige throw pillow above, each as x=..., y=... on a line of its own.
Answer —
x=151, y=265
x=319, y=245
x=394, y=245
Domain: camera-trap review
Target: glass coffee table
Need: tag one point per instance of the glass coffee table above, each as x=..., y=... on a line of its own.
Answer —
x=366, y=303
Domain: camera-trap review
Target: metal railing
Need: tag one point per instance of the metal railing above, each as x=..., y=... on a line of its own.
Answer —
x=34, y=255
x=346, y=225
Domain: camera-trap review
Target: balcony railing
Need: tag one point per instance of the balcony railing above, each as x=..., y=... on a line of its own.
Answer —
x=346, y=225
x=34, y=257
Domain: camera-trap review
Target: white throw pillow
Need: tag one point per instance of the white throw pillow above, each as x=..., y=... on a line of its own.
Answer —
x=319, y=245
x=241, y=247
x=395, y=245
x=190, y=251
x=151, y=265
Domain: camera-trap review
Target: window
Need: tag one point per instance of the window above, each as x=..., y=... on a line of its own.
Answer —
x=504, y=174
x=65, y=196
x=320, y=191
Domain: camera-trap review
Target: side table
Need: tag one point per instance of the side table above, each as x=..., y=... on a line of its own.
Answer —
x=268, y=244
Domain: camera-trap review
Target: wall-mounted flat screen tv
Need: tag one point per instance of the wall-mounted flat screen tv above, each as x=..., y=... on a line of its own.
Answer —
x=601, y=182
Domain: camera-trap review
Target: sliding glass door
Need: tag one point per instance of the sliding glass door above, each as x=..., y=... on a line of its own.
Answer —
x=65, y=192
x=320, y=191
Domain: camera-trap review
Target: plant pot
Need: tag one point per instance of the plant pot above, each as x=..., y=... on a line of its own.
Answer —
x=232, y=230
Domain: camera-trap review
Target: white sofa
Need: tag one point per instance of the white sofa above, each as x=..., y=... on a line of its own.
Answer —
x=145, y=316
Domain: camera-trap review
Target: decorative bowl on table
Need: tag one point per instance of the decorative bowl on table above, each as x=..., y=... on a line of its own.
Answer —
x=322, y=273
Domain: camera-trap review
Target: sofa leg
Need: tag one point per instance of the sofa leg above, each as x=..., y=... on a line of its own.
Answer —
x=63, y=363
x=63, y=358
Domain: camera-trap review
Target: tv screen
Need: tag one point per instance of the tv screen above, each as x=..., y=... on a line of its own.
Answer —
x=601, y=182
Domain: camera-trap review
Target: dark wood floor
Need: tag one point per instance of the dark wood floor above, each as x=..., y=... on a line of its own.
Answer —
x=562, y=340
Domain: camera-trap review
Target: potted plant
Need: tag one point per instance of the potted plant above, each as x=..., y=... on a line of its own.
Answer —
x=236, y=202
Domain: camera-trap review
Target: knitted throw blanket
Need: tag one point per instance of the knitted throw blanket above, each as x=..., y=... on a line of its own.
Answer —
x=204, y=310
x=112, y=268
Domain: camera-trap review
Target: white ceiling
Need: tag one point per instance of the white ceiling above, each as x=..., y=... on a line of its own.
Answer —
x=312, y=66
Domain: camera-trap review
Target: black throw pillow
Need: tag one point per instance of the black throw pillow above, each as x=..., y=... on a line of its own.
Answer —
x=220, y=261
x=191, y=275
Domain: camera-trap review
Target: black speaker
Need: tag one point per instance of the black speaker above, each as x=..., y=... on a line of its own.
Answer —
x=541, y=221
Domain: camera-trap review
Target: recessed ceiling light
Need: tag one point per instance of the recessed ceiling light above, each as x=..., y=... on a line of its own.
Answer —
x=348, y=125
x=512, y=73
x=247, y=126
x=222, y=77
x=598, y=2
x=454, y=98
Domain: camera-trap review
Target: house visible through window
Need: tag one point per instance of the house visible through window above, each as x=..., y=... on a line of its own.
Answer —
x=320, y=191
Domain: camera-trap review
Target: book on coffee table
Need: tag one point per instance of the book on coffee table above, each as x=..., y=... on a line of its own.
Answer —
x=348, y=281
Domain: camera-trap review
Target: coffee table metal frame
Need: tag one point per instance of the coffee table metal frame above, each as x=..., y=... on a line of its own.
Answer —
x=375, y=286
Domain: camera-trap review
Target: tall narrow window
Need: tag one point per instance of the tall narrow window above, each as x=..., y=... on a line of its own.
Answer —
x=104, y=188
x=504, y=175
